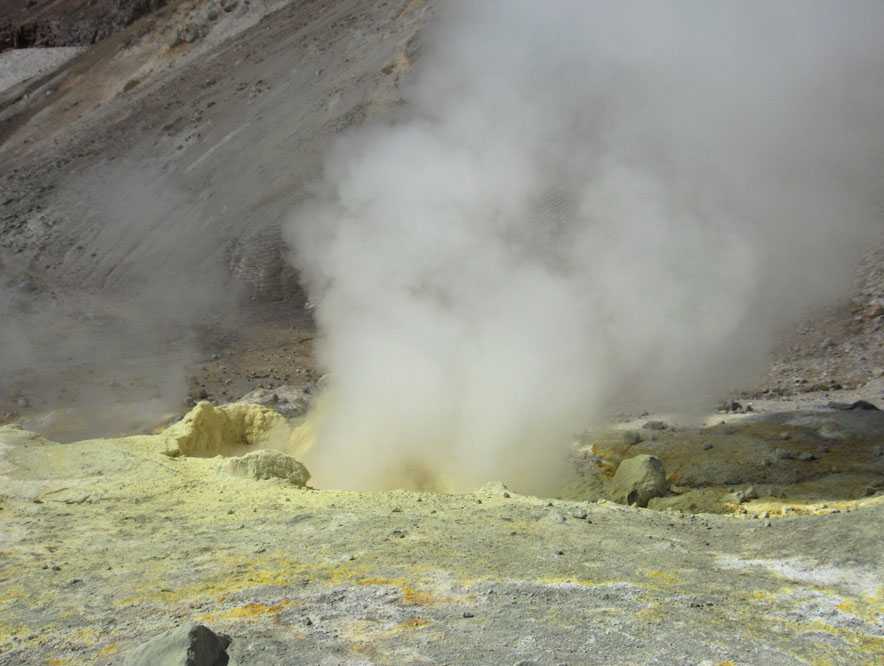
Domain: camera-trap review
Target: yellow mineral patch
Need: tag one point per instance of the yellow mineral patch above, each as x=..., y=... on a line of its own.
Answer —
x=86, y=636
x=207, y=430
x=248, y=611
x=567, y=580
x=411, y=595
x=108, y=650
x=662, y=577
x=653, y=612
x=365, y=632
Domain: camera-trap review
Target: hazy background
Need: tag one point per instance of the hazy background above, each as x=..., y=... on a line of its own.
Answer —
x=584, y=207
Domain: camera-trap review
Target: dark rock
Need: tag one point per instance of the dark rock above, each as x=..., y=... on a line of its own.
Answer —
x=862, y=405
x=69, y=23
x=188, y=645
x=631, y=437
x=655, y=425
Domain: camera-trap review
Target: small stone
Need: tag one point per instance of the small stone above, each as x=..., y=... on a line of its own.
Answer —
x=468, y=614
x=579, y=514
x=655, y=425
x=744, y=495
x=265, y=464
x=806, y=456
x=783, y=454
x=631, y=437
x=878, y=452
x=785, y=436
x=555, y=517
x=707, y=446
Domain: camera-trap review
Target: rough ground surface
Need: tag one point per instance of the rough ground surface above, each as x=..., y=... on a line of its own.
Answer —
x=113, y=169
x=18, y=66
x=106, y=543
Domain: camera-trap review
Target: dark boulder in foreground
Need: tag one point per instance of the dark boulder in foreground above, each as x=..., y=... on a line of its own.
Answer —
x=187, y=645
x=863, y=405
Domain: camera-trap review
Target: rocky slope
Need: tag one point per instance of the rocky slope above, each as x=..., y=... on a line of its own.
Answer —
x=48, y=23
x=135, y=151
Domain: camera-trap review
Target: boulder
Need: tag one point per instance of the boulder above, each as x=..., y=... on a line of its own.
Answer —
x=287, y=400
x=637, y=480
x=207, y=430
x=187, y=645
x=267, y=464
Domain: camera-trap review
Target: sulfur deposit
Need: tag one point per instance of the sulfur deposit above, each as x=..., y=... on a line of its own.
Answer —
x=263, y=465
x=207, y=430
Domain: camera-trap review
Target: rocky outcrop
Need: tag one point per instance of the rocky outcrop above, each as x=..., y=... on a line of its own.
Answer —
x=638, y=480
x=207, y=430
x=42, y=23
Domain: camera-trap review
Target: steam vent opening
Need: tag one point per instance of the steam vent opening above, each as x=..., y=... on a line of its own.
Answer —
x=493, y=332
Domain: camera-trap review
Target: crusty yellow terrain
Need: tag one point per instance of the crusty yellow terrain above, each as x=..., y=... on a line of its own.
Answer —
x=105, y=543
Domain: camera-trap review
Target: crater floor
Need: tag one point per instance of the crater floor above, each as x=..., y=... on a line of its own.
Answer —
x=105, y=543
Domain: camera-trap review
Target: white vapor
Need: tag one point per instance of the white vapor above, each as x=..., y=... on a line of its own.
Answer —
x=586, y=206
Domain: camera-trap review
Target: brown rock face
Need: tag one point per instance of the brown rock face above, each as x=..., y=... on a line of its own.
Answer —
x=46, y=23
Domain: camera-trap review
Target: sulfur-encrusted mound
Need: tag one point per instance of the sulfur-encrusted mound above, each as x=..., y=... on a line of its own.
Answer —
x=638, y=480
x=266, y=464
x=207, y=430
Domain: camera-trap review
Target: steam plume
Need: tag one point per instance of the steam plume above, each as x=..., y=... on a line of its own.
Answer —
x=587, y=205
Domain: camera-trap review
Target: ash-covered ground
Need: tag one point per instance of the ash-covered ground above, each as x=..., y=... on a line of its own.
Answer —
x=144, y=187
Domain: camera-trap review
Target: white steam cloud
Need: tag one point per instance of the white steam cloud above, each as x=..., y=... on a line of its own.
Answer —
x=586, y=206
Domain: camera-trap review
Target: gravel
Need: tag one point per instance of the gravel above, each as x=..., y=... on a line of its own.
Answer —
x=22, y=64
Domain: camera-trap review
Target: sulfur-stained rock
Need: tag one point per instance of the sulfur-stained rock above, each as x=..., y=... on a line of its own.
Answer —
x=637, y=480
x=267, y=464
x=207, y=430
